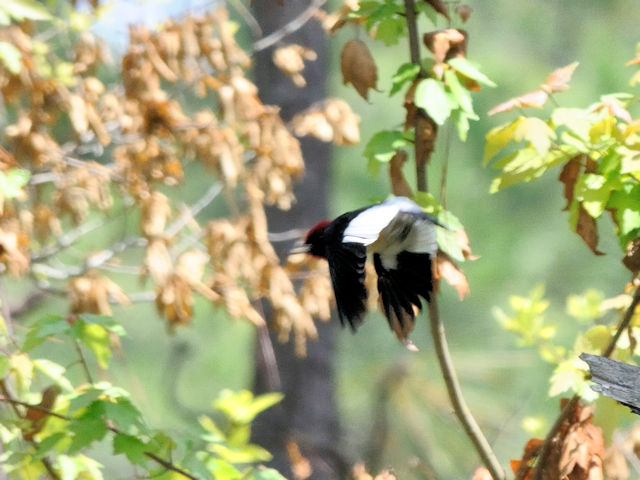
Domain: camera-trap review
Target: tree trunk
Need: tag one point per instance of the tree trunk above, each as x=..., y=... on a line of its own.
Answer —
x=307, y=419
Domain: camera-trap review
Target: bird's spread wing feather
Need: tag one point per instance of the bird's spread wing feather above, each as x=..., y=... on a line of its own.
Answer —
x=401, y=288
x=346, y=267
x=397, y=224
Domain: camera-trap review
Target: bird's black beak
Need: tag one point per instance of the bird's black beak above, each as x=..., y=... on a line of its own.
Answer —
x=300, y=247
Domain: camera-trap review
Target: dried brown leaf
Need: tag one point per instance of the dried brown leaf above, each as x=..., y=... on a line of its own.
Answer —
x=631, y=258
x=534, y=99
x=568, y=176
x=174, y=300
x=464, y=12
x=155, y=212
x=481, y=473
x=586, y=227
x=446, y=268
x=446, y=44
x=358, y=67
x=399, y=184
x=558, y=80
x=332, y=120
x=37, y=417
x=615, y=464
x=290, y=59
x=440, y=7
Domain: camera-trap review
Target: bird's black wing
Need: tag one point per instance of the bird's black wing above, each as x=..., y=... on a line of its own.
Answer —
x=401, y=288
x=346, y=267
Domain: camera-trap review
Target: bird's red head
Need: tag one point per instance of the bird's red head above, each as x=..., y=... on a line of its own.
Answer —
x=318, y=228
x=315, y=240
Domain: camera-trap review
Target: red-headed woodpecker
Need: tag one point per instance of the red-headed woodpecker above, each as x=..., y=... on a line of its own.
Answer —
x=402, y=239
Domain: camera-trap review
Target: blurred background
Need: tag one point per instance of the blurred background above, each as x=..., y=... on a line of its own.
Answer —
x=521, y=235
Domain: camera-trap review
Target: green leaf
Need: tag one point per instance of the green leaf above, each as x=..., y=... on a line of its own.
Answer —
x=406, y=73
x=11, y=57
x=428, y=202
x=87, y=428
x=47, y=444
x=45, y=327
x=132, y=447
x=430, y=95
x=383, y=145
x=466, y=68
x=125, y=415
x=461, y=120
x=460, y=93
x=447, y=237
x=25, y=9
x=390, y=29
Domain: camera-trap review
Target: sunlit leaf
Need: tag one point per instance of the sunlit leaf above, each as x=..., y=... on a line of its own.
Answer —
x=25, y=9
x=466, y=68
x=430, y=95
x=10, y=56
x=593, y=191
x=536, y=132
x=585, y=307
x=498, y=138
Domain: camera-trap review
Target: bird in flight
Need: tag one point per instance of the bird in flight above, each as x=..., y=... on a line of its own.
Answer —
x=401, y=237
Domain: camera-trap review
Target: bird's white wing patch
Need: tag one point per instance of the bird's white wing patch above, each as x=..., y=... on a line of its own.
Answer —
x=423, y=238
x=365, y=227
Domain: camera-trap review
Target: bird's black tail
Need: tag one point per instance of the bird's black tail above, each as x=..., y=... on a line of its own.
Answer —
x=401, y=288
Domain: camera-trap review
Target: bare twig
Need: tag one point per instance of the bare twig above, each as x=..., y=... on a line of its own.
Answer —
x=191, y=212
x=294, y=25
x=455, y=394
x=570, y=405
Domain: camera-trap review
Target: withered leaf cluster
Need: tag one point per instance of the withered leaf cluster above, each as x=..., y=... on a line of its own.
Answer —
x=577, y=450
x=132, y=142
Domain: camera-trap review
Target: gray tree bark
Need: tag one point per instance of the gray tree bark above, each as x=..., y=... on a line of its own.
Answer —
x=308, y=415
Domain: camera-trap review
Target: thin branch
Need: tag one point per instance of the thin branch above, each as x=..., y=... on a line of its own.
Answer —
x=191, y=212
x=294, y=25
x=455, y=394
x=412, y=27
x=83, y=362
x=545, y=450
